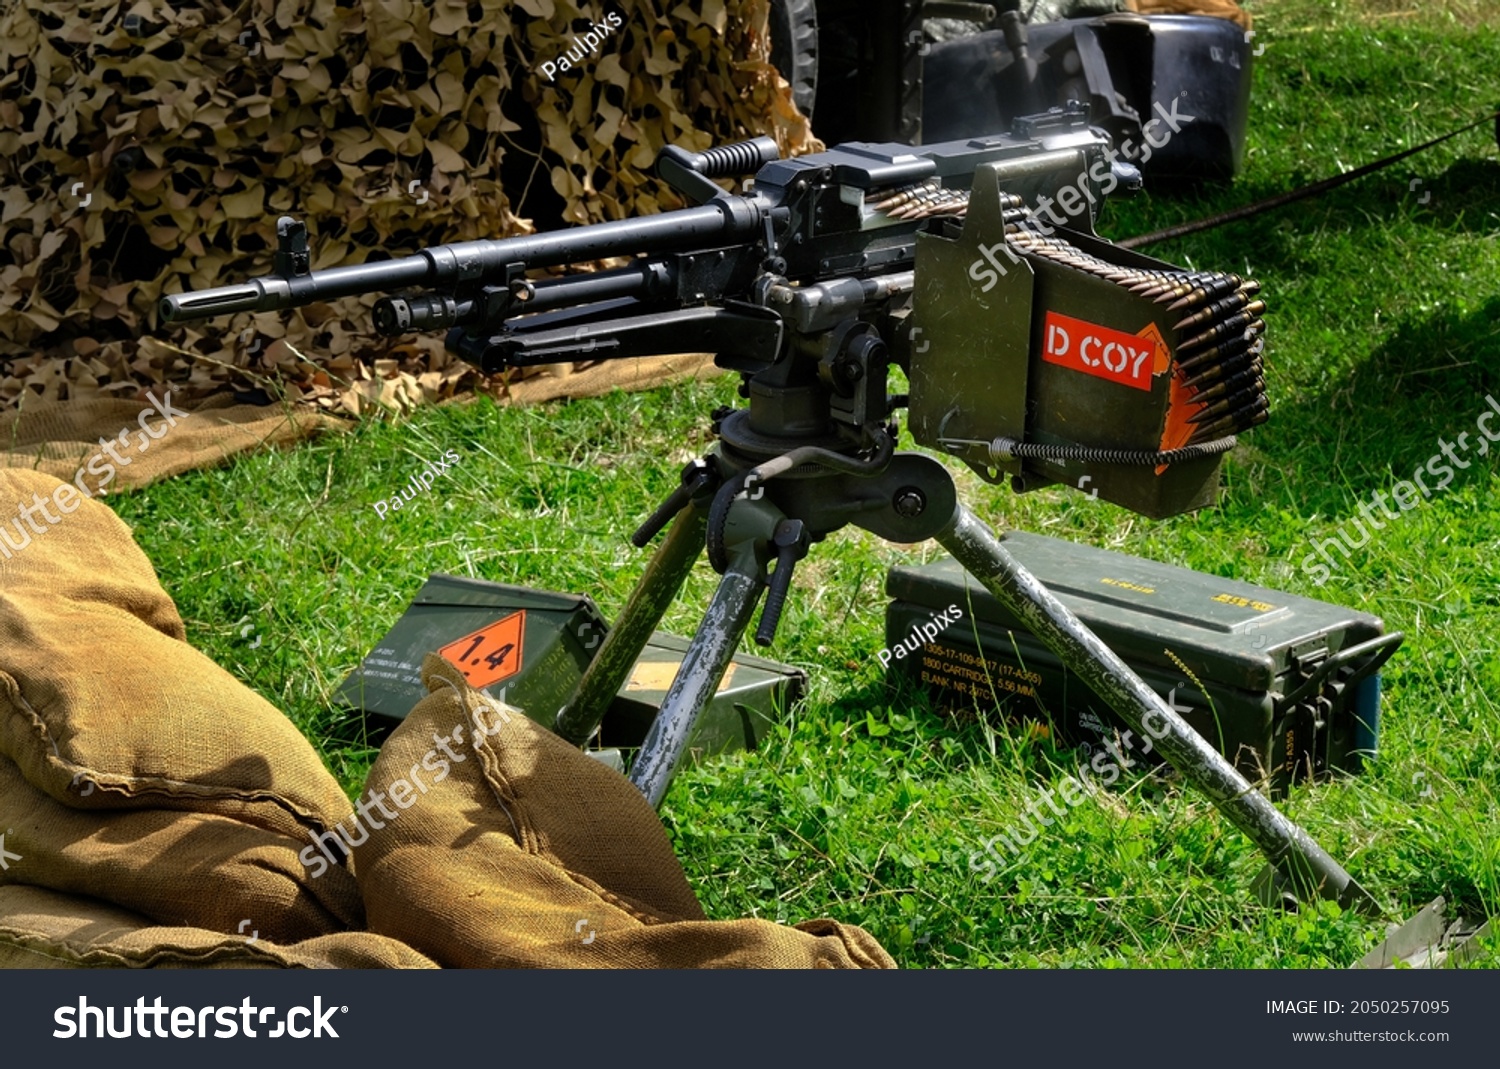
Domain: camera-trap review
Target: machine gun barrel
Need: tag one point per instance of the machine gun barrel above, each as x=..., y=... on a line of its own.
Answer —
x=472, y=263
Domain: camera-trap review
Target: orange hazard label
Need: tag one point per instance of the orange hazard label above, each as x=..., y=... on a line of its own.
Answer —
x=1163, y=356
x=490, y=654
x=1097, y=350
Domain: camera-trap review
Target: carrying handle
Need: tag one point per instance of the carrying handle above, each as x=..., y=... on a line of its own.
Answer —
x=1382, y=647
x=690, y=173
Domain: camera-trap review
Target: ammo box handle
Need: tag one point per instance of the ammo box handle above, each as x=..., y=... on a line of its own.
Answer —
x=1381, y=646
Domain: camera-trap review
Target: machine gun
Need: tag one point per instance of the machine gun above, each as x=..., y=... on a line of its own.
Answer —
x=1032, y=351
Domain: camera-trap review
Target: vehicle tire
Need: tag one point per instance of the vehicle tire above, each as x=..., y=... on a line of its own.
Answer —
x=794, y=48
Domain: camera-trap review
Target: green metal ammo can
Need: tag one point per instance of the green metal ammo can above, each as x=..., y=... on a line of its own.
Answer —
x=529, y=648
x=1286, y=687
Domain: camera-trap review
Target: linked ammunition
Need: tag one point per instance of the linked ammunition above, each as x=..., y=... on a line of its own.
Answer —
x=1239, y=421
x=1248, y=361
x=1224, y=306
x=1223, y=334
x=1248, y=378
x=886, y=199
x=1220, y=352
x=1219, y=362
x=917, y=205
x=926, y=198
x=914, y=204
x=1227, y=406
x=1155, y=291
x=1083, y=263
x=1224, y=328
x=1215, y=355
x=1210, y=290
x=1184, y=287
x=1148, y=279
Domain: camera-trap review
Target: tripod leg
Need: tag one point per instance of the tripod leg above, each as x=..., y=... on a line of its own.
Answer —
x=1290, y=850
x=703, y=665
x=658, y=586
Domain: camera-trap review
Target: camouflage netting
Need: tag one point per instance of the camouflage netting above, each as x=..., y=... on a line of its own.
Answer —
x=148, y=148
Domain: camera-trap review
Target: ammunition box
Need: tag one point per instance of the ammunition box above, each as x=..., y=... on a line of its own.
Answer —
x=530, y=647
x=1024, y=361
x=752, y=696
x=521, y=646
x=1286, y=687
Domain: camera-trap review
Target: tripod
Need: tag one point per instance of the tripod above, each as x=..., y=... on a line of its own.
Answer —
x=779, y=481
x=787, y=285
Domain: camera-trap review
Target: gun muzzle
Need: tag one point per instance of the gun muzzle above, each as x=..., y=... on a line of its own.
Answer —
x=202, y=304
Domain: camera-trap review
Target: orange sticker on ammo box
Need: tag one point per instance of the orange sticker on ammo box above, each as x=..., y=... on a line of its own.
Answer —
x=1098, y=350
x=490, y=654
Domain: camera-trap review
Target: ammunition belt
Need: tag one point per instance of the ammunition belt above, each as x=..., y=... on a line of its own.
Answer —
x=1219, y=341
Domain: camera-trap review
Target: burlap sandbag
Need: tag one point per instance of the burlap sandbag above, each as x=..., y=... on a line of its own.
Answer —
x=512, y=848
x=62, y=438
x=196, y=869
x=104, y=706
x=41, y=929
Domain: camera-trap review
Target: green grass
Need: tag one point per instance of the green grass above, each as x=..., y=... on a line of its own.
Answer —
x=1385, y=337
